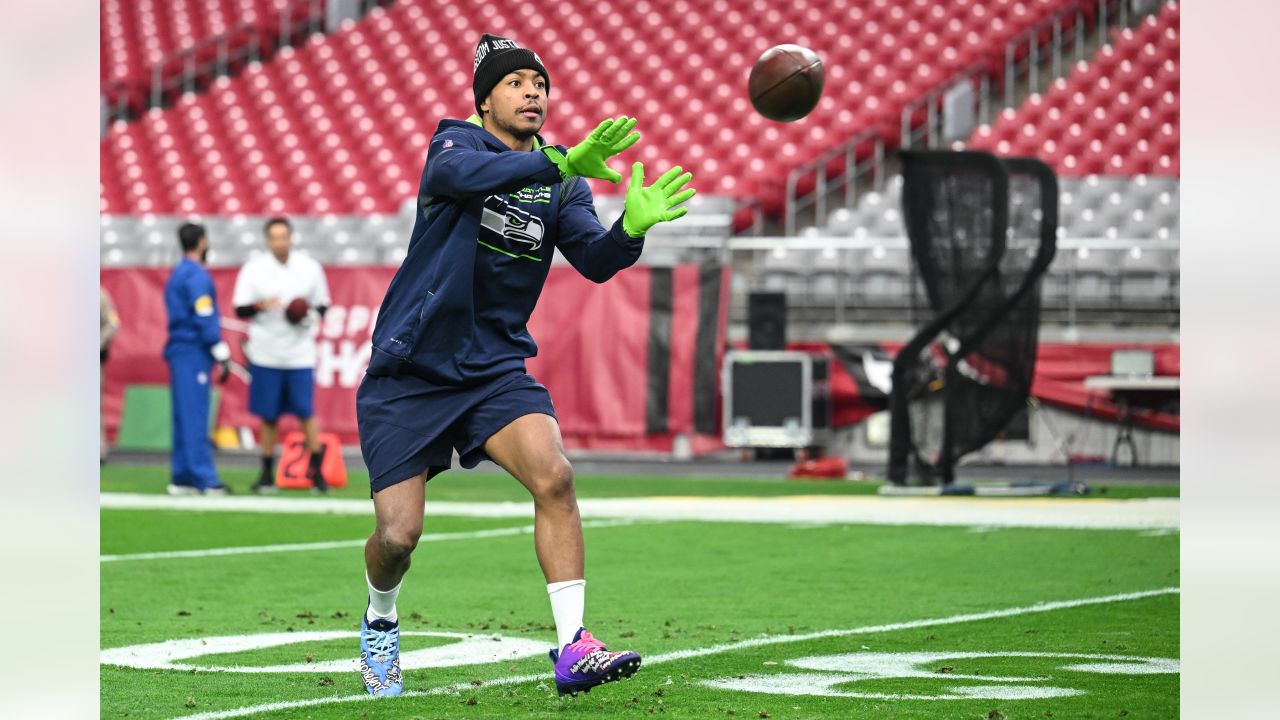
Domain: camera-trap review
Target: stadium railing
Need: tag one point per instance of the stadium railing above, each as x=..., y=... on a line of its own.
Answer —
x=923, y=119
x=1055, y=36
x=861, y=159
x=190, y=68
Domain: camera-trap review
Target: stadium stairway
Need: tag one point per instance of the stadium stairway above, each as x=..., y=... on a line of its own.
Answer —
x=139, y=39
x=1117, y=114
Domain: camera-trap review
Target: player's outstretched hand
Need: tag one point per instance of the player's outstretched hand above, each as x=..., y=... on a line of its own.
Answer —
x=587, y=158
x=648, y=206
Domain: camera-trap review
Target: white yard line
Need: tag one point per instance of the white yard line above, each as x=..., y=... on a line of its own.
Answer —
x=912, y=624
x=1097, y=514
x=702, y=652
x=336, y=544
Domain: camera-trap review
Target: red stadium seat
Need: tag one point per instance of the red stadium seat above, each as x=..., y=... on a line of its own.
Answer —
x=341, y=122
x=1115, y=115
x=137, y=36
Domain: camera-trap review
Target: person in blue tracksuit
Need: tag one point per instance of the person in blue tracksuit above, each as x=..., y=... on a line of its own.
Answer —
x=193, y=347
x=447, y=371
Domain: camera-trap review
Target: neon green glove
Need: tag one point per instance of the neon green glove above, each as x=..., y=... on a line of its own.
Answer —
x=647, y=206
x=586, y=159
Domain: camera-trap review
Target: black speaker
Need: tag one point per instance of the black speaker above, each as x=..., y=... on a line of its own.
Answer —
x=767, y=321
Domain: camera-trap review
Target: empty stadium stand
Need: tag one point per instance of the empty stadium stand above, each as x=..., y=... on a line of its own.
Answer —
x=1140, y=208
x=340, y=124
x=333, y=133
x=1116, y=114
x=145, y=41
x=137, y=35
x=1091, y=281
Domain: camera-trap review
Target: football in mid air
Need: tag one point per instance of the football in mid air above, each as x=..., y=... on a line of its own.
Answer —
x=786, y=82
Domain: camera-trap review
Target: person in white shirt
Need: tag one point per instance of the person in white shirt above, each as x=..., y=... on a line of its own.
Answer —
x=283, y=294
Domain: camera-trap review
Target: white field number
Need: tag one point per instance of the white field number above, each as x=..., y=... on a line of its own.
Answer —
x=180, y=654
x=838, y=675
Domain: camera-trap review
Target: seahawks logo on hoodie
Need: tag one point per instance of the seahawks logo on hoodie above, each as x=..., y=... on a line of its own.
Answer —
x=510, y=230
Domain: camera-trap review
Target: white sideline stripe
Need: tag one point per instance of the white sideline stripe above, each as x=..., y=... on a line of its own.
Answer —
x=335, y=544
x=1097, y=514
x=711, y=650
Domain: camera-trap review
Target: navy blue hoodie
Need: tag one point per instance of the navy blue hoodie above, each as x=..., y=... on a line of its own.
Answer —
x=489, y=220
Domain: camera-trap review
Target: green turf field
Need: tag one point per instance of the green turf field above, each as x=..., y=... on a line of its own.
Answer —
x=735, y=620
x=492, y=487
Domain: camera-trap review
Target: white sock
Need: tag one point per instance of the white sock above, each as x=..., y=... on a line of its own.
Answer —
x=382, y=603
x=568, y=599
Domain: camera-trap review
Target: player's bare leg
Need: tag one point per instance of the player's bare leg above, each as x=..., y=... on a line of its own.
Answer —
x=398, y=512
x=530, y=448
x=398, y=516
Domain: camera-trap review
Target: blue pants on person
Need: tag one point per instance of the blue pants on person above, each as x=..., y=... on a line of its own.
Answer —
x=274, y=392
x=189, y=377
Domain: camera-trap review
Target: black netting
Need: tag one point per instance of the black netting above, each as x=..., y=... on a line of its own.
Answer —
x=982, y=234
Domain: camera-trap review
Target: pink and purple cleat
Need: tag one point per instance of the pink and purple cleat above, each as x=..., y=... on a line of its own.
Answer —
x=586, y=663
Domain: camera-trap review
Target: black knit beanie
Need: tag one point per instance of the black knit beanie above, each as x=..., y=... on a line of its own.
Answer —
x=497, y=56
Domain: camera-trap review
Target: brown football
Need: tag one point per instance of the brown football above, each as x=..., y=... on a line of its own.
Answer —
x=297, y=310
x=786, y=82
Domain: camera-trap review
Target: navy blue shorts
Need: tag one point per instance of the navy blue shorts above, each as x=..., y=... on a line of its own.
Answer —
x=409, y=426
x=274, y=392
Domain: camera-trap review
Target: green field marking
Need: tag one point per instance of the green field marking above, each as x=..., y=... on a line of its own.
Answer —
x=1140, y=628
x=660, y=589
x=713, y=565
x=686, y=680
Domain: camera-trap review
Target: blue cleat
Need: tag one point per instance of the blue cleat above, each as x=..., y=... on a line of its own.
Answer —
x=380, y=657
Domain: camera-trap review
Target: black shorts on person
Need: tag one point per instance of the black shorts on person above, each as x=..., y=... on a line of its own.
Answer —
x=409, y=425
